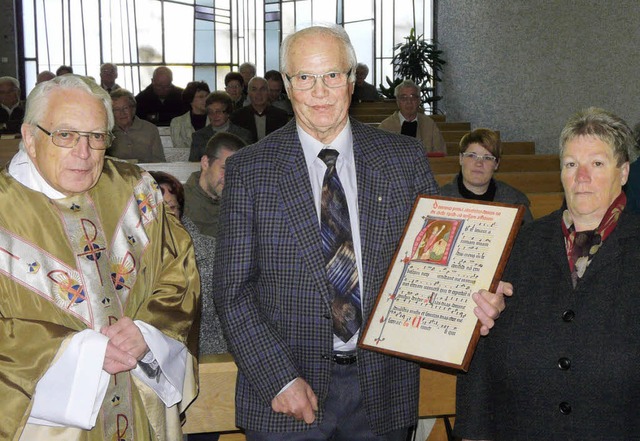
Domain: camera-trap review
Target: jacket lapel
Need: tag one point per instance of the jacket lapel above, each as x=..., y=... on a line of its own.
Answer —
x=299, y=209
x=552, y=240
x=608, y=253
x=373, y=194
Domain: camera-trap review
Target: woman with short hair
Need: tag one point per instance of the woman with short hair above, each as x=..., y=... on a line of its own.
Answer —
x=562, y=362
x=480, y=152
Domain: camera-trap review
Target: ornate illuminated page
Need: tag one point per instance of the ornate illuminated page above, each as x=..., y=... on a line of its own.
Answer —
x=450, y=249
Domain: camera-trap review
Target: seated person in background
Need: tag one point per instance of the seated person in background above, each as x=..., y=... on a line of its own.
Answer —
x=160, y=101
x=183, y=126
x=45, y=75
x=218, y=106
x=363, y=91
x=134, y=137
x=108, y=76
x=277, y=97
x=248, y=71
x=211, y=340
x=563, y=361
x=11, y=108
x=204, y=188
x=63, y=70
x=234, y=86
x=95, y=328
x=479, y=159
x=259, y=117
x=410, y=121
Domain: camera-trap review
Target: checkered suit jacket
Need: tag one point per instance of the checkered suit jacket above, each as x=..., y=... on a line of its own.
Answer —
x=270, y=285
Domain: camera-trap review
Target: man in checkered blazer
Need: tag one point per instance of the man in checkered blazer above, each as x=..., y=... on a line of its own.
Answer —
x=296, y=379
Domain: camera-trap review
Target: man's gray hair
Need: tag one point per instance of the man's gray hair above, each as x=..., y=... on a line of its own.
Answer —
x=605, y=126
x=38, y=99
x=15, y=82
x=334, y=31
x=406, y=84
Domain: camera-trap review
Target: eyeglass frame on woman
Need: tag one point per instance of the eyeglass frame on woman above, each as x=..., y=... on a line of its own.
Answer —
x=315, y=79
x=79, y=133
x=476, y=157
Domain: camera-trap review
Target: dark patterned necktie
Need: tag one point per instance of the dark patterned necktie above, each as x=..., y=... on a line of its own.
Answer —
x=337, y=248
x=409, y=128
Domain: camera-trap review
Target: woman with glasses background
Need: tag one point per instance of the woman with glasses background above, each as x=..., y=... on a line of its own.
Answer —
x=479, y=160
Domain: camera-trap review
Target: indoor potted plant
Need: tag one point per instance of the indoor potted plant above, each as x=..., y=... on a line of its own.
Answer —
x=420, y=61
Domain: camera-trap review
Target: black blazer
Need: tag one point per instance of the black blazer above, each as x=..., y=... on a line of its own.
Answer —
x=276, y=118
x=561, y=363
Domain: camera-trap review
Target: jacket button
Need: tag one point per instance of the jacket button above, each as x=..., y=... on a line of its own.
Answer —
x=565, y=408
x=568, y=315
x=326, y=357
x=564, y=363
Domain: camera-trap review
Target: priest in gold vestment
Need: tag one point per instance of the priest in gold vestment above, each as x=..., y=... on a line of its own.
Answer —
x=98, y=283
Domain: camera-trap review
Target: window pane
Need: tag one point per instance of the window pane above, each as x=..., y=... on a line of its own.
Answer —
x=272, y=43
x=182, y=75
x=360, y=10
x=324, y=11
x=149, y=17
x=178, y=33
x=223, y=43
x=206, y=74
x=28, y=24
x=361, y=35
x=30, y=74
x=50, y=36
x=204, y=50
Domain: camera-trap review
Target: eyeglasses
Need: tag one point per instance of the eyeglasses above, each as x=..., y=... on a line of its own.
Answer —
x=216, y=112
x=122, y=109
x=68, y=139
x=408, y=97
x=481, y=158
x=305, y=81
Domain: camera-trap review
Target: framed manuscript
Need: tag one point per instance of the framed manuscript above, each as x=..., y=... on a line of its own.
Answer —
x=450, y=249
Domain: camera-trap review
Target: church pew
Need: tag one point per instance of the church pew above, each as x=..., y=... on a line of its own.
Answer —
x=508, y=163
x=456, y=135
x=526, y=182
x=545, y=203
x=8, y=148
x=181, y=170
x=213, y=410
x=453, y=126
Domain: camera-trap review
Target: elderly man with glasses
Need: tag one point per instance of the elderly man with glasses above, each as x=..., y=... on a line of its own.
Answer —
x=134, y=138
x=309, y=222
x=11, y=108
x=99, y=281
x=409, y=120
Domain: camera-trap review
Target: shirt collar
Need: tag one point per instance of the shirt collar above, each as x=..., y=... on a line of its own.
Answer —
x=403, y=119
x=23, y=170
x=10, y=109
x=311, y=147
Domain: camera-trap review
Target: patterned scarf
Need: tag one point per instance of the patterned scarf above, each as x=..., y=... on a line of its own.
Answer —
x=583, y=245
